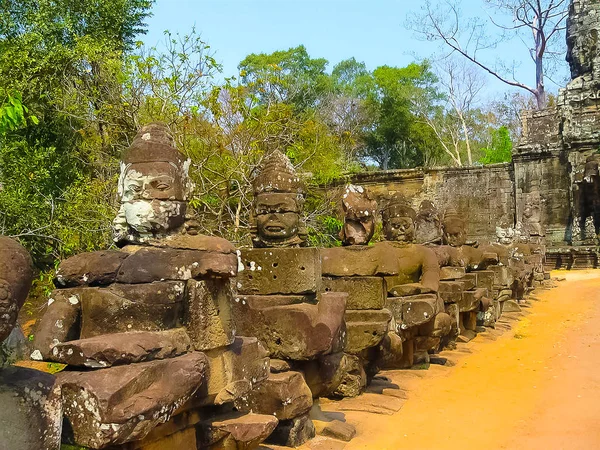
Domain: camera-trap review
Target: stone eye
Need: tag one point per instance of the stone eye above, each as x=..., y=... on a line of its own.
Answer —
x=162, y=186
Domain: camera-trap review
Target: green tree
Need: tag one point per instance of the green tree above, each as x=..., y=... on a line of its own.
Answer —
x=500, y=149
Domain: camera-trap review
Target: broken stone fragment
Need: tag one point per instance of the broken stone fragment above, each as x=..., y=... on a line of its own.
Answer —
x=293, y=432
x=160, y=264
x=335, y=429
x=123, y=404
x=234, y=431
x=279, y=271
x=324, y=374
x=232, y=372
x=359, y=260
x=296, y=331
x=283, y=395
x=122, y=348
x=363, y=292
x=413, y=311
x=89, y=269
x=209, y=318
x=31, y=413
x=354, y=379
x=279, y=365
x=365, y=329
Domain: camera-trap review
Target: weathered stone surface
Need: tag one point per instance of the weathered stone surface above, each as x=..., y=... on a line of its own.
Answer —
x=372, y=403
x=283, y=395
x=335, y=429
x=354, y=379
x=31, y=413
x=358, y=260
x=413, y=311
x=233, y=432
x=293, y=433
x=279, y=271
x=160, y=264
x=451, y=273
x=60, y=322
x=391, y=353
x=122, y=348
x=209, y=319
x=279, y=365
x=194, y=242
x=297, y=331
x=485, y=279
x=451, y=291
x=232, y=371
x=365, y=328
x=502, y=275
x=405, y=290
x=122, y=404
x=511, y=306
x=103, y=311
x=360, y=211
x=90, y=269
x=471, y=300
x=363, y=292
x=16, y=275
x=324, y=374
x=266, y=301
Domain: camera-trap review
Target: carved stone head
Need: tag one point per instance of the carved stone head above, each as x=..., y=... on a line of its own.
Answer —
x=278, y=201
x=153, y=187
x=590, y=172
x=428, y=227
x=454, y=229
x=16, y=276
x=399, y=220
x=359, y=216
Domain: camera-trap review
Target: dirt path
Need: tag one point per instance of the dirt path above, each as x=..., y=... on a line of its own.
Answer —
x=533, y=386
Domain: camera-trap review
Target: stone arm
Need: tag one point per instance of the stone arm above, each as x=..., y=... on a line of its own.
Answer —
x=430, y=270
x=60, y=323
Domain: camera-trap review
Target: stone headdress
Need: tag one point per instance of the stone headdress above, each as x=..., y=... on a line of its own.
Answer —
x=398, y=206
x=357, y=203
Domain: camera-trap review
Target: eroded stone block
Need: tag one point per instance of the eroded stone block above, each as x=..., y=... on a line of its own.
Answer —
x=363, y=292
x=365, y=329
x=90, y=269
x=279, y=271
x=451, y=273
x=413, y=311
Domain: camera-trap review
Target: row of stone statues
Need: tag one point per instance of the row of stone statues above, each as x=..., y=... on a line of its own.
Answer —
x=180, y=337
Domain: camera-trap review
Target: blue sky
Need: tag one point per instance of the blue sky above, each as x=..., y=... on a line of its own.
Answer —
x=371, y=31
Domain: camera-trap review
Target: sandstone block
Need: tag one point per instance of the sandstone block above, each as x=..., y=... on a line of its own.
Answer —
x=160, y=264
x=209, y=318
x=451, y=273
x=104, y=311
x=365, y=329
x=279, y=271
x=469, y=281
x=335, y=429
x=354, y=379
x=363, y=292
x=511, y=306
x=297, y=331
x=283, y=395
x=502, y=275
x=235, y=432
x=265, y=301
x=31, y=413
x=232, y=371
x=405, y=290
x=451, y=291
x=359, y=260
x=412, y=311
x=122, y=348
x=485, y=279
x=90, y=269
x=122, y=404
x=471, y=300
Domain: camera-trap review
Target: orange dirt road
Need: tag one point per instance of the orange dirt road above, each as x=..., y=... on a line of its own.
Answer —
x=534, y=386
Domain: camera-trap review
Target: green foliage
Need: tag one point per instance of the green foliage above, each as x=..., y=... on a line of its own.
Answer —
x=500, y=149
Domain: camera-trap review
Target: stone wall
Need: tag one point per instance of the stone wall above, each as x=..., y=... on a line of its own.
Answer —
x=484, y=196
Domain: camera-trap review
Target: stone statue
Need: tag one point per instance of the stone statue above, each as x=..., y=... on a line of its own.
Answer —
x=31, y=413
x=359, y=216
x=153, y=188
x=278, y=202
x=280, y=301
x=428, y=226
x=147, y=331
